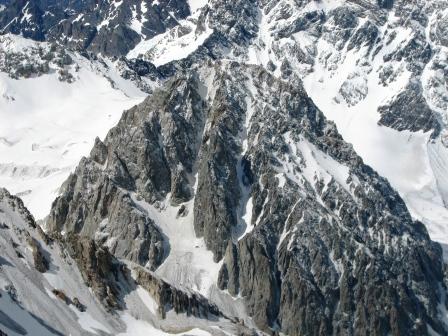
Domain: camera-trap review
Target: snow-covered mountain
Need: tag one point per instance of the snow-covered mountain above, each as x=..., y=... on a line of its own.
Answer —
x=285, y=173
x=52, y=287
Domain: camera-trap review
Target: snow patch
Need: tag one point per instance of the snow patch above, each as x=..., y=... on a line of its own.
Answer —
x=196, y=5
x=173, y=45
x=190, y=264
x=136, y=327
x=413, y=164
x=49, y=125
x=88, y=323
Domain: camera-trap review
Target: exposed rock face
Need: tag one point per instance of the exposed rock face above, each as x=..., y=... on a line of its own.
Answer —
x=29, y=303
x=312, y=239
x=97, y=200
x=97, y=266
x=84, y=276
x=218, y=191
x=33, y=27
x=109, y=215
x=301, y=38
x=386, y=3
x=107, y=27
x=16, y=204
x=170, y=298
x=410, y=111
x=40, y=262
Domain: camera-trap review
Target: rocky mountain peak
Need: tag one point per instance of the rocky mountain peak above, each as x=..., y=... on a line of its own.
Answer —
x=285, y=205
x=284, y=175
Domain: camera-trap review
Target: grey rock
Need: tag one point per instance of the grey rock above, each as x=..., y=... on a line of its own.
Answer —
x=97, y=198
x=287, y=267
x=40, y=262
x=97, y=267
x=169, y=298
x=366, y=35
x=139, y=239
x=386, y=3
x=97, y=26
x=410, y=111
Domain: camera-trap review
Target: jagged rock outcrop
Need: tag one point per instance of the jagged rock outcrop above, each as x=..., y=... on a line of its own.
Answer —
x=325, y=239
x=29, y=304
x=98, y=197
x=109, y=215
x=325, y=245
x=40, y=262
x=301, y=38
x=83, y=277
x=308, y=237
x=98, y=268
x=169, y=298
x=410, y=111
x=107, y=27
x=23, y=17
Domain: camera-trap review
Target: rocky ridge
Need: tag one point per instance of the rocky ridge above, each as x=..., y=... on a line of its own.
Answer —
x=70, y=285
x=297, y=218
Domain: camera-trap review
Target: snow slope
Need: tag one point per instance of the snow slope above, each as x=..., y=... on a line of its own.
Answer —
x=189, y=265
x=196, y=4
x=28, y=304
x=176, y=43
x=48, y=125
x=414, y=164
x=29, y=300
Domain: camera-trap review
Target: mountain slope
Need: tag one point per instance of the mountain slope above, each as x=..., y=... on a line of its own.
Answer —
x=108, y=27
x=71, y=286
x=369, y=58
x=46, y=105
x=29, y=302
x=306, y=230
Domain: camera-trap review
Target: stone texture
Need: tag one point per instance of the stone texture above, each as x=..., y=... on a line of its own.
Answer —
x=40, y=262
x=97, y=267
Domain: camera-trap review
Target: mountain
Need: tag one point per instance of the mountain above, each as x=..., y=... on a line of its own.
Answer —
x=72, y=286
x=285, y=173
x=109, y=27
x=251, y=165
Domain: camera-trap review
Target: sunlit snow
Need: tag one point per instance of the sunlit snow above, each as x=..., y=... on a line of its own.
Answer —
x=48, y=125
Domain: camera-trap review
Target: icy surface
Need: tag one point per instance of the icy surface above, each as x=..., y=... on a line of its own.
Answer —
x=48, y=125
